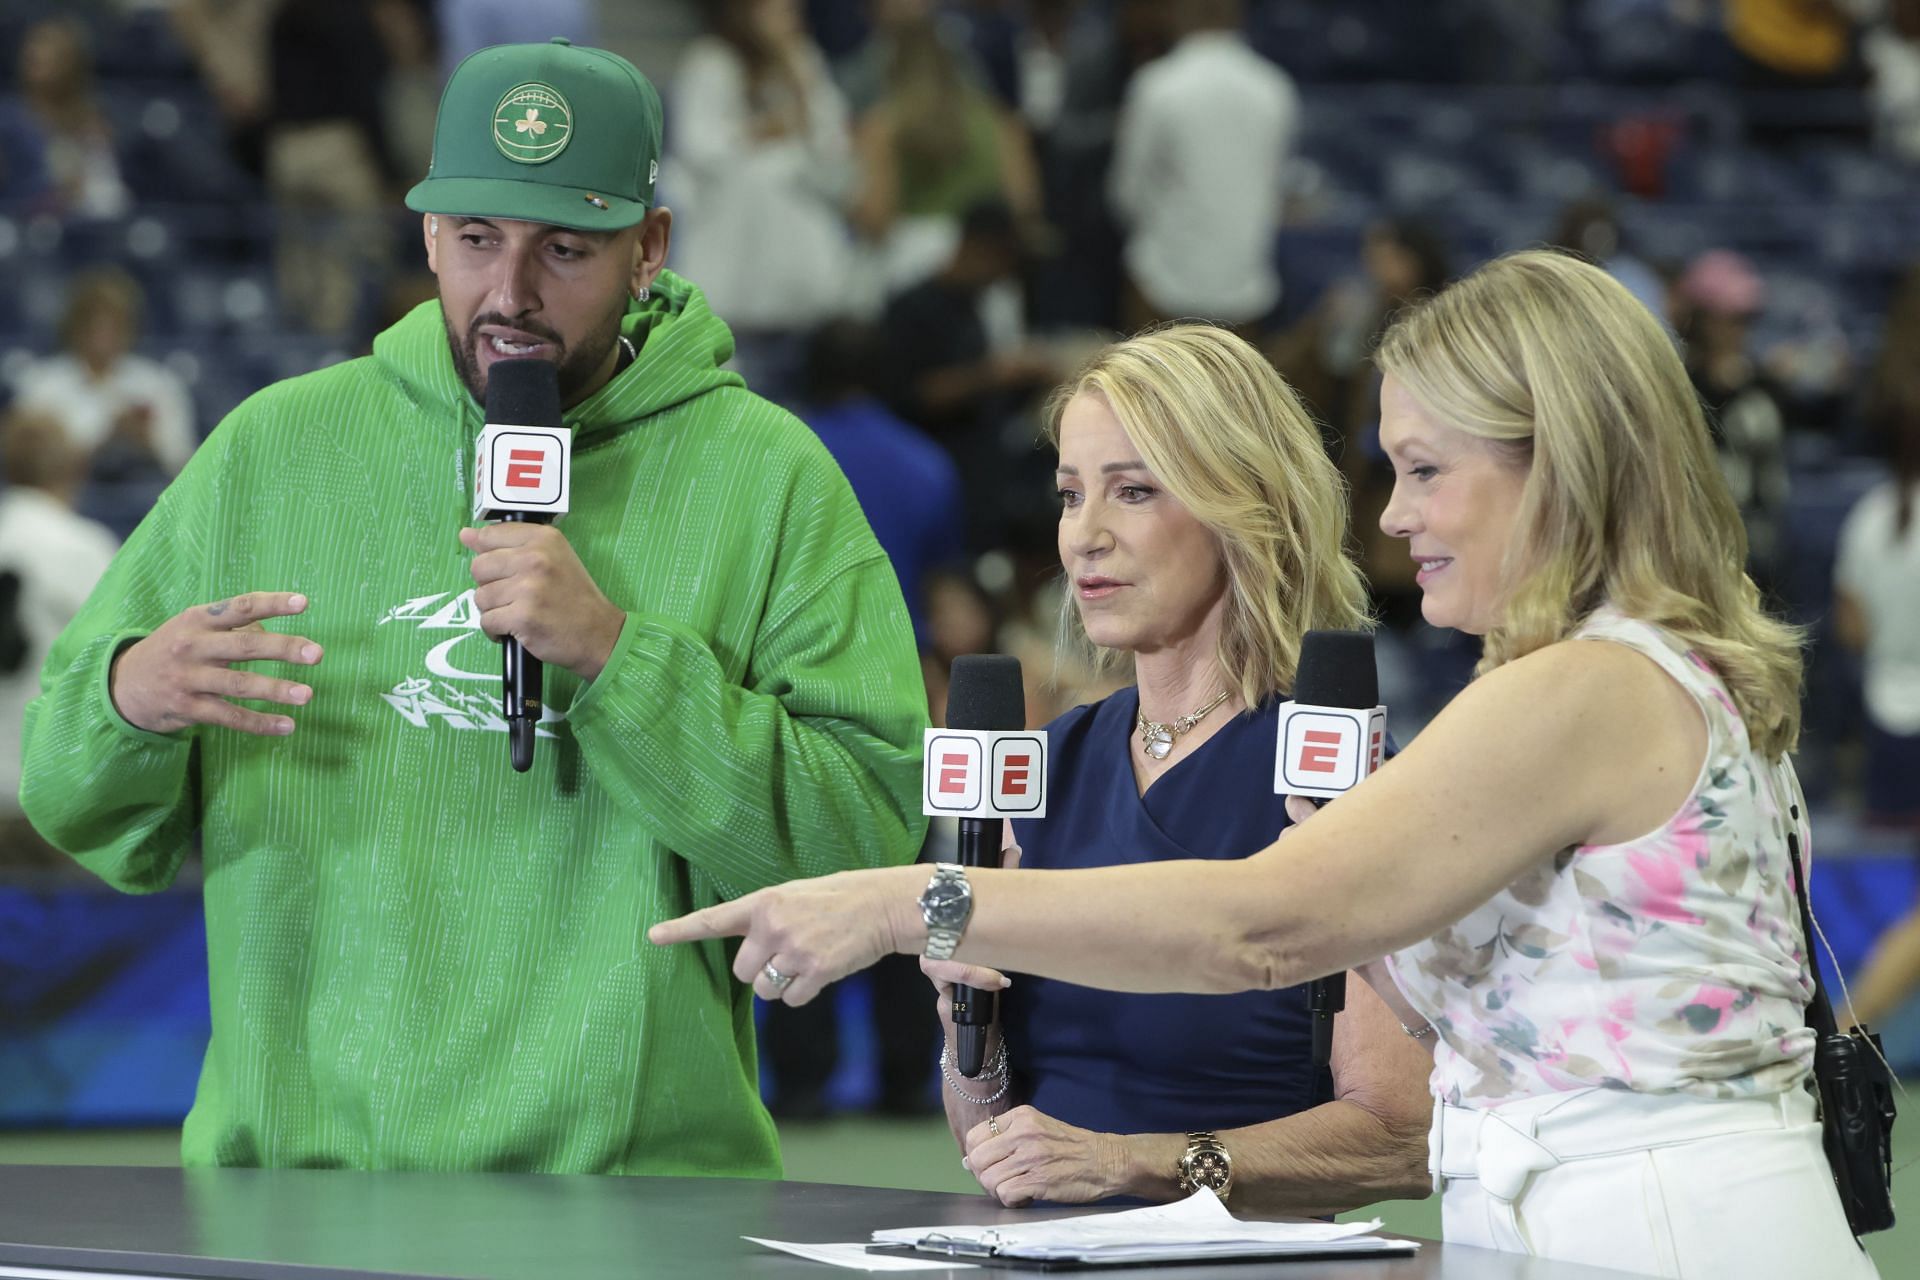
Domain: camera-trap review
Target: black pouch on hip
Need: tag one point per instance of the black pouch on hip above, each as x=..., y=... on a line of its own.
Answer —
x=1855, y=1087
x=1856, y=1115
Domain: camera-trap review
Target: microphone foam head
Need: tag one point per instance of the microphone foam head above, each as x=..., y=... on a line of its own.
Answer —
x=985, y=693
x=1337, y=670
x=524, y=393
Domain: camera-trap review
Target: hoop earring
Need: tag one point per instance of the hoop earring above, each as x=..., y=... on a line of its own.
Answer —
x=642, y=293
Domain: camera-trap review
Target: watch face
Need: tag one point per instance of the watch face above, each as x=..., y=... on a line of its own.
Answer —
x=945, y=902
x=1209, y=1169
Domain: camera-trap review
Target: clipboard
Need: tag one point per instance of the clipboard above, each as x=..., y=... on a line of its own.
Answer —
x=1190, y=1232
x=972, y=1255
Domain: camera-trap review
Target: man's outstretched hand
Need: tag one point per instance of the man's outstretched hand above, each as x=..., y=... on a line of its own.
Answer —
x=185, y=673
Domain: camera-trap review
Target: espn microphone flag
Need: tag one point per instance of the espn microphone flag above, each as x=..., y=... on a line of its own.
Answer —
x=1333, y=735
x=978, y=773
x=522, y=468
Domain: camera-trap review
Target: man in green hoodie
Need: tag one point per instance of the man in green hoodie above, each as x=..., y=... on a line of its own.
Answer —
x=419, y=958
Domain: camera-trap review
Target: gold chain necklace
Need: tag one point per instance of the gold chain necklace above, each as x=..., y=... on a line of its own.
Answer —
x=1159, y=737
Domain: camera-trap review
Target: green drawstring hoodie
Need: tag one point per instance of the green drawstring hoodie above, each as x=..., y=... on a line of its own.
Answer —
x=419, y=958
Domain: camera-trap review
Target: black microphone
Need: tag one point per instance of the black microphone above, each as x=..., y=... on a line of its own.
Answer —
x=521, y=393
x=1336, y=672
x=985, y=693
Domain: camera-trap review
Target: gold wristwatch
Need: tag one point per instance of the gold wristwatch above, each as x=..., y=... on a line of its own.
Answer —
x=1205, y=1163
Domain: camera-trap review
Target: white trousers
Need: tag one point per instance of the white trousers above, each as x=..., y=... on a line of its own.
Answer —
x=1661, y=1184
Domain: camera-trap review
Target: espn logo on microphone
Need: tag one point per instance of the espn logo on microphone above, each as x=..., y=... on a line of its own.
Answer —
x=1327, y=751
x=522, y=469
x=974, y=773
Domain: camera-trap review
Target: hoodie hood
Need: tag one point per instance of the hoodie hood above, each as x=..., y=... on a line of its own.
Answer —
x=680, y=343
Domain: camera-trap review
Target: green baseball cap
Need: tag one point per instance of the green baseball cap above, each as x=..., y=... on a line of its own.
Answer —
x=544, y=133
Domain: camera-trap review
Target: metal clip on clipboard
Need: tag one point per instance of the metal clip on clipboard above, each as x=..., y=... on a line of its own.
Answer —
x=985, y=1246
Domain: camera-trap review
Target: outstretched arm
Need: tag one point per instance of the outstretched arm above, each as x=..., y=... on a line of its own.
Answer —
x=1579, y=742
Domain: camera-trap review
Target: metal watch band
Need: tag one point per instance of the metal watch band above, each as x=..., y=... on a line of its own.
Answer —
x=943, y=942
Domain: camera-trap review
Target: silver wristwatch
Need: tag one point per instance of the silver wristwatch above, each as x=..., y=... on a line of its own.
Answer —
x=946, y=906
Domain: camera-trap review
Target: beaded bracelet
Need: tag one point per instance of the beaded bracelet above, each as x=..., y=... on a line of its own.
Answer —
x=1424, y=1030
x=949, y=1069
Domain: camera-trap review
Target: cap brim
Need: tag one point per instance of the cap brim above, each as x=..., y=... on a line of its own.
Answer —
x=525, y=202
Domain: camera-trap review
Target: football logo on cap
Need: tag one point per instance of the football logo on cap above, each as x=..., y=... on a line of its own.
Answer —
x=532, y=124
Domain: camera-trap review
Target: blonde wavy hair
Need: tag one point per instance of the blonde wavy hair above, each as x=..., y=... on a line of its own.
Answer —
x=1624, y=501
x=1230, y=441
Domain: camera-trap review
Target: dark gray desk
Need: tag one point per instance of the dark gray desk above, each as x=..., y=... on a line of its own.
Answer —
x=242, y=1224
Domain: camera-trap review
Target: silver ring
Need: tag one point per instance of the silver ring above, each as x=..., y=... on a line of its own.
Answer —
x=781, y=981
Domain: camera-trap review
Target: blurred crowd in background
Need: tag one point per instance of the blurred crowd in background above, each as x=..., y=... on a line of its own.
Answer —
x=919, y=215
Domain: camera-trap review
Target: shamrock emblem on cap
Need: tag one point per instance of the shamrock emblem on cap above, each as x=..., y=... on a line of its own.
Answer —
x=532, y=123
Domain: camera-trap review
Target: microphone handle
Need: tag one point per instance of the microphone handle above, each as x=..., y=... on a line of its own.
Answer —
x=974, y=1011
x=520, y=686
x=520, y=727
x=1325, y=997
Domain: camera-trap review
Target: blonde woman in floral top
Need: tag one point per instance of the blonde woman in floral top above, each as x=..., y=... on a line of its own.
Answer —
x=1579, y=869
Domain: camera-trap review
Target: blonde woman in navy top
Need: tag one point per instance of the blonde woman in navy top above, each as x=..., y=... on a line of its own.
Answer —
x=1201, y=530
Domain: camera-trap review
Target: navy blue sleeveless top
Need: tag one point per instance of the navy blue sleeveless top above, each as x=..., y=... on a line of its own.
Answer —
x=1128, y=1063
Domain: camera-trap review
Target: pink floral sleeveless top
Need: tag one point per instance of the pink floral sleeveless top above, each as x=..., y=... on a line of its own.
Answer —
x=1672, y=962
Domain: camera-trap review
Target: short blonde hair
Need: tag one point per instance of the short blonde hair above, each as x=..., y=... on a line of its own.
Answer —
x=97, y=290
x=1230, y=441
x=1624, y=502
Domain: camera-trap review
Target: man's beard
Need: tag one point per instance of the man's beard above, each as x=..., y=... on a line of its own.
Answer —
x=576, y=367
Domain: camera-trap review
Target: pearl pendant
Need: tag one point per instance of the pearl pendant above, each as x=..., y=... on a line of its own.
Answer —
x=1159, y=744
